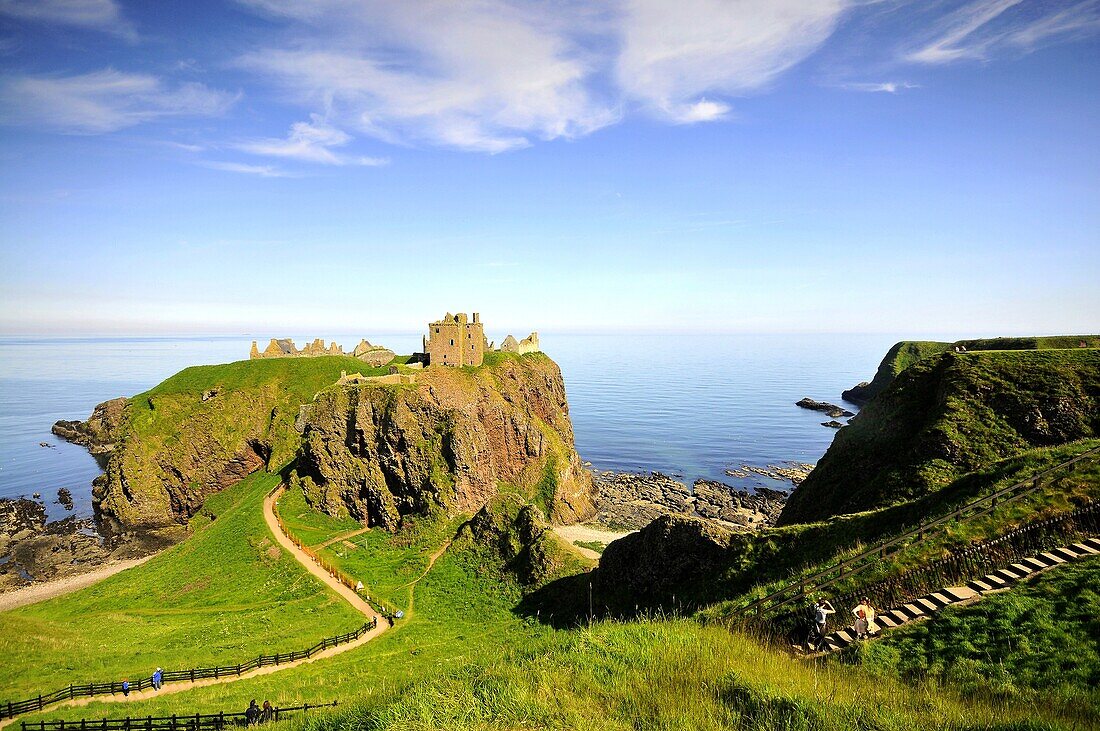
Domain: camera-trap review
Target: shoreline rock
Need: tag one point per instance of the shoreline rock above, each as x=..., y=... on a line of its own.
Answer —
x=831, y=410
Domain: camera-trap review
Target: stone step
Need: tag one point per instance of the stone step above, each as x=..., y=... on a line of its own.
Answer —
x=1084, y=548
x=1009, y=577
x=847, y=636
x=913, y=610
x=1094, y=542
x=995, y=581
x=960, y=593
x=886, y=620
x=1036, y=564
x=979, y=586
x=1066, y=553
x=927, y=605
x=941, y=598
x=1012, y=573
x=1051, y=558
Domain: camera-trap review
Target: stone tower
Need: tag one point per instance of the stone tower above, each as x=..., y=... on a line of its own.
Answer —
x=456, y=341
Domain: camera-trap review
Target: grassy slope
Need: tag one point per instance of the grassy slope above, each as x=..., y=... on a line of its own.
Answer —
x=225, y=595
x=946, y=416
x=907, y=352
x=1038, y=642
x=762, y=562
x=465, y=661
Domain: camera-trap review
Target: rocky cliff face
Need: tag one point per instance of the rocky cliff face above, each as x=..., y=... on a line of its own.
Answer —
x=447, y=443
x=99, y=433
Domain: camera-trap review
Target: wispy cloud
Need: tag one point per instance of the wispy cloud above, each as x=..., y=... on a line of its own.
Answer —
x=888, y=87
x=263, y=171
x=489, y=76
x=101, y=15
x=675, y=53
x=314, y=141
x=977, y=29
x=103, y=101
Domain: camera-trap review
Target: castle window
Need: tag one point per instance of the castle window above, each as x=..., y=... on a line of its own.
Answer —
x=437, y=331
x=452, y=341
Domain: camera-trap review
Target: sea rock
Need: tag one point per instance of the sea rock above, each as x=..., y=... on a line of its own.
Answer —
x=99, y=433
x=33, y=550
x=629, y=500
x=826, y=408
x=834, y=424
x=65, y=498
x=717, y=500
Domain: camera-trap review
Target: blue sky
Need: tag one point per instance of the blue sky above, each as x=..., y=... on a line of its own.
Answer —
x=269, y=166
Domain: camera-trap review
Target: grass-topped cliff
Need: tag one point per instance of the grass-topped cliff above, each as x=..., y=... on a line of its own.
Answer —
x=443, y=443
x=947, y=415
x=907, y=352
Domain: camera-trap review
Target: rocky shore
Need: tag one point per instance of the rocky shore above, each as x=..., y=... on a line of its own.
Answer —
x=32, y=550
x=831, y=410
x=631, y=501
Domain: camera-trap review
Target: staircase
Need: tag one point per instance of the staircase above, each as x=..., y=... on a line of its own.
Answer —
x=995, y=581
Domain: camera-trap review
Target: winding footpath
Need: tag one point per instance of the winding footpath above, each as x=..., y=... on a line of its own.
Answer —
x=176, y=687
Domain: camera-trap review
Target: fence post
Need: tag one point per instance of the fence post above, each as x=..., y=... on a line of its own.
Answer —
x=173, y=722
x=192, y=675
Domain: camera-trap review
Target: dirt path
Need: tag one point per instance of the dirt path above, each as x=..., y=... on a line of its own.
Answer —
x=587, y=534
x=341, y=537
x=49, y=589
x=176, y=687
x=431, y=562
x=352, y=598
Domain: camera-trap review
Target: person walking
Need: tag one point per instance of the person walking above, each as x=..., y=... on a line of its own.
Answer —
x=252, y=715
x=158, y=679
x=821, y=618
x=268, y=713
x=125, y=687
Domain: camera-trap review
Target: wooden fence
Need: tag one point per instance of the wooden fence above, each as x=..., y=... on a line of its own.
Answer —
x=11, y=709
x=796, y=591
x=175, y=722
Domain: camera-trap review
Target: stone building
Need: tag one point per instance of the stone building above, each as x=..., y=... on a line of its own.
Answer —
x=455, y=341
x=529, y=344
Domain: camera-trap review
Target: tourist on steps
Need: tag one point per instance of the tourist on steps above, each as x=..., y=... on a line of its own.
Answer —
x=252, y=715
x=865, y=619
x=158, y=679
x=821, y=618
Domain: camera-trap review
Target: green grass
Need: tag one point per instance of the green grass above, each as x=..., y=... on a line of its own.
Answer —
x=1038, y=642
x=464, y=659
x=596, y=546
x=225, y=595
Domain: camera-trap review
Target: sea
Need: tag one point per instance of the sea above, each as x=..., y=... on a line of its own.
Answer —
x=691, y=406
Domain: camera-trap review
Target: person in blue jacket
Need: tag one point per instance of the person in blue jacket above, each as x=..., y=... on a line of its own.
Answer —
x=158, y=679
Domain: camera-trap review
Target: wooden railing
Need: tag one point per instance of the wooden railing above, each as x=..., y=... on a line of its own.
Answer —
x=11, y=709
x=845, y=569
x=175, y=722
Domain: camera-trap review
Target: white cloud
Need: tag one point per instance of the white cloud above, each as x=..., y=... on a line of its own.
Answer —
x=103, y=15
x=889, y=87
x=673, y=53
x=489, y=76
x=264, y=171
x=976, y=29
x=103, y=101
x=311, y=141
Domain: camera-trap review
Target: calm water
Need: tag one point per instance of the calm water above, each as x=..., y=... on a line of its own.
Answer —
x=692, y=406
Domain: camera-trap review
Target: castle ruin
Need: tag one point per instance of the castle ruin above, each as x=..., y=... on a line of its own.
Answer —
x=373, y=355
x=529, y=344
x=456, y=341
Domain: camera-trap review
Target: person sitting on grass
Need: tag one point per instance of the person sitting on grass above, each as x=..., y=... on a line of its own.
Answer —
x=252, y=715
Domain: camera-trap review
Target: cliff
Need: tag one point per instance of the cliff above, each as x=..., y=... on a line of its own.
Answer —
x=447, y=443
x=946, y=415
x=99, y=433
x=907, y=352
x=378, y=452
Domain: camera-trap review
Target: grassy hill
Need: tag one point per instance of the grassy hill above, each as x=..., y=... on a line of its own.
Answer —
x=1038, y=642
x=907, y=352
x=464, y=659
x=945, y=416
x=225, y=595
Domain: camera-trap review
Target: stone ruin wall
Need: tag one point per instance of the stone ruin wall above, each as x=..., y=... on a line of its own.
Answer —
x=374, y=355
